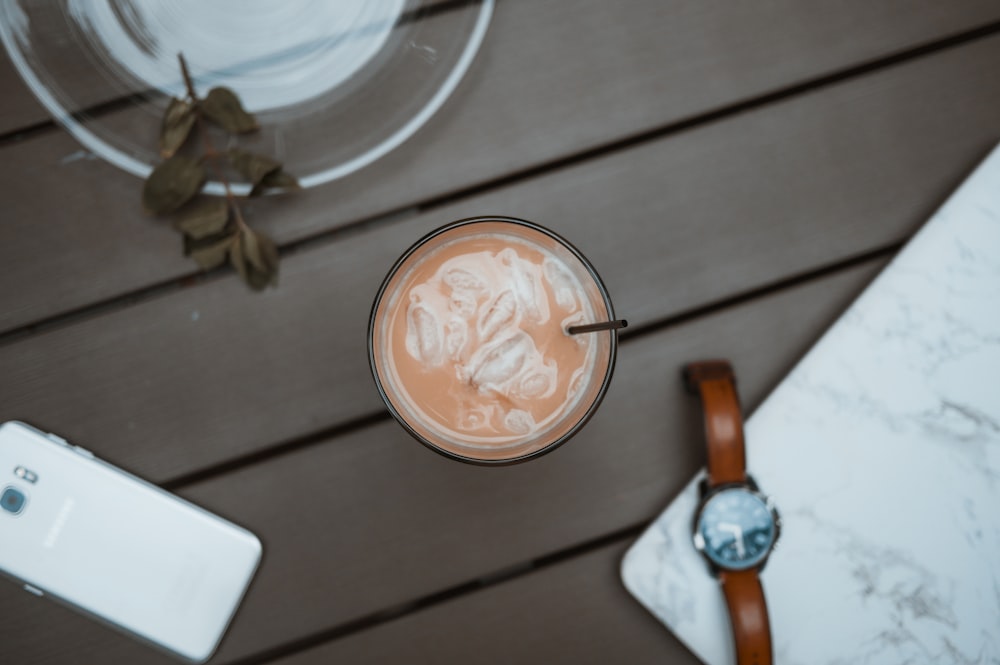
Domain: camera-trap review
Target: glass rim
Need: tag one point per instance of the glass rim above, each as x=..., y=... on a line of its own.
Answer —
x=612, y=351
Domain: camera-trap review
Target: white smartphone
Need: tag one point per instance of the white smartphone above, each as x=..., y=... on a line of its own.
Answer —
x=117, y=548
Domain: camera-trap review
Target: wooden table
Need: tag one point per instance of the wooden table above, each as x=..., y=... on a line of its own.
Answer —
x=737, y=172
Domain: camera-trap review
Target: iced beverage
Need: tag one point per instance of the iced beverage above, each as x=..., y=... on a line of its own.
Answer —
x=469, y=345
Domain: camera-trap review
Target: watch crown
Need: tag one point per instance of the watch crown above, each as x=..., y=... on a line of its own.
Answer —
x=699, y=542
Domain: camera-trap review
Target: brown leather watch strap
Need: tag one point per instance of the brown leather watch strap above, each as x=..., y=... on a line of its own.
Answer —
x=715, y=382
x=748, y=614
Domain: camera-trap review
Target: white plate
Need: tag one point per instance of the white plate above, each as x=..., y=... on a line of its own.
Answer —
x=334, y=84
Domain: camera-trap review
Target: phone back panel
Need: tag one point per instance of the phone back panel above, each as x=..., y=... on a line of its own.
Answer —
x=104, y=541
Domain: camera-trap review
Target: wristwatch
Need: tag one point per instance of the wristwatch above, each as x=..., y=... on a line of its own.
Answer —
x=735, y=526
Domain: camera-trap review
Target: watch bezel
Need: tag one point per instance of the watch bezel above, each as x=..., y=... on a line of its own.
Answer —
x=750, y=486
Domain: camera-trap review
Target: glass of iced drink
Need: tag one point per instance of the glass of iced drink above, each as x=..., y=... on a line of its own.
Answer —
x=469, y=344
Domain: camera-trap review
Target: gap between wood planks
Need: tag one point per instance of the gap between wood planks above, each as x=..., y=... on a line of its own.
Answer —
x=520, y=569
x=325, y=237
x=333, y=235
x=508, y=573
x=626, y=336
x=398, y=611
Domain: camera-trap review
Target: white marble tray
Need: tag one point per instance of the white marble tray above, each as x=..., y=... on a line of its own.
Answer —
x=882, y=450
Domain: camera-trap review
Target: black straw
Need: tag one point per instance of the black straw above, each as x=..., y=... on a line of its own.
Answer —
x=597, y=327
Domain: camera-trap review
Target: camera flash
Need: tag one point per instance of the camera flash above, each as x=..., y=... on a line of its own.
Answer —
x=25, y=474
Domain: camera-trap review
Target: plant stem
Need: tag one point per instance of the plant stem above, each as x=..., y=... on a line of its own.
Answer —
x=210, y=152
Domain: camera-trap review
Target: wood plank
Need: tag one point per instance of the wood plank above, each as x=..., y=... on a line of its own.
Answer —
x=639, y=66
x=575, y=612
x=371, y=520
x=20, y=108
x=193, y=378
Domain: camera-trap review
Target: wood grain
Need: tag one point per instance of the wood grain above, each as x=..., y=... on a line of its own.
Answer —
x=370, y=520
x=577, y=612
x=192, y=378
x=548, y=84
x=20, y=108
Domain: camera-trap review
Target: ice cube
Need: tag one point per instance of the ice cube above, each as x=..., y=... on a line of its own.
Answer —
x=562, y=283
x=423, y=334
x=519, y=422
x=537, y=382
x=499, y=314
x=494, y=365
x=474, y=418
x=575, y=383
x=456, y=335
x=463, y=278
x=525, y=278
x=463, y=303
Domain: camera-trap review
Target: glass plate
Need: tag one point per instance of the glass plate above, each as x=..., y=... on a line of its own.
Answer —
x=335, y=84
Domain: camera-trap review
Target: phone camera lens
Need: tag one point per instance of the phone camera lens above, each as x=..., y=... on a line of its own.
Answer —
x=12, y=500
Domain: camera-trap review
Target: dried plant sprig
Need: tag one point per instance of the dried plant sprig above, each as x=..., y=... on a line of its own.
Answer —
x=214, y=229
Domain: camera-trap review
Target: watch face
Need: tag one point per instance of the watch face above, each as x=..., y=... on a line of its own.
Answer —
x=736, y=527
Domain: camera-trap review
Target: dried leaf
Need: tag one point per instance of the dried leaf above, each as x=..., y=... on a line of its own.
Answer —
x=255, y=258
x=172, y=184
x=204, y=219
x=210, y=252
x=210, y=237
x=261, y=251
x=224, y=108
x=252, y=166
x=279, y=179
x=176, y=126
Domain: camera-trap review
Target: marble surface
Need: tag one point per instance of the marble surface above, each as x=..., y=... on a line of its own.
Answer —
x=882, y=451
